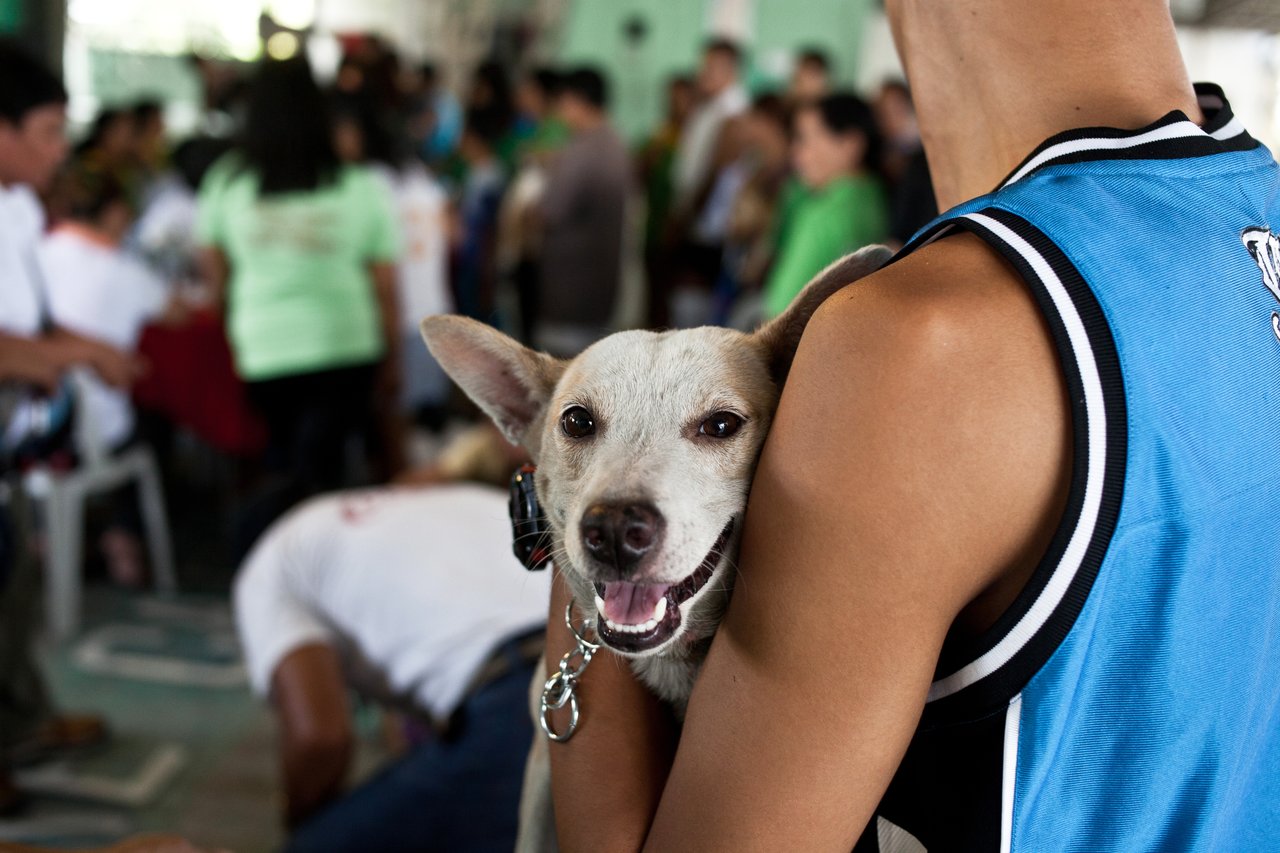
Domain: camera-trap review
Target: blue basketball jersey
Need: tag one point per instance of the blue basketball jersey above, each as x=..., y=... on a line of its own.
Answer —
x=1129, y=700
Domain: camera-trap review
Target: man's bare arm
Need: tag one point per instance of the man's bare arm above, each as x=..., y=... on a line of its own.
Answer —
x=911, y=481
x=310, y=699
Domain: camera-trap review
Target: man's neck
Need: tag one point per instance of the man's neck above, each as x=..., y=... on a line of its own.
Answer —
x=992, y=79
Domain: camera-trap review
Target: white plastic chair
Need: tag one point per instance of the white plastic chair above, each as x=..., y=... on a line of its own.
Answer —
x=63, y=496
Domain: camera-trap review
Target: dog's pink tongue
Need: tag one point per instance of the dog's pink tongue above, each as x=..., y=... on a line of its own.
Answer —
x=631, y=603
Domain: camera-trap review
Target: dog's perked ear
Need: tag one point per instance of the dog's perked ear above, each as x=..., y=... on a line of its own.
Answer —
x=508, y=381
x=781, y=335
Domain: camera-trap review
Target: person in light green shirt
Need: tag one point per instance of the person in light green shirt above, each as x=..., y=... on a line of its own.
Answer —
x=301, y=295
x=301, y=250
x=841, y=204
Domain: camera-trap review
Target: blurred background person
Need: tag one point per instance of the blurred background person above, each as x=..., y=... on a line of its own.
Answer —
x=749, y=228
x=474, y=228
x=35, y=355
x=810, y=78
x=721, y=96
x=543, y=134
x=582, y=212
x=96, y=289
x=304, y=249
x=835, y=153
x=705, y=147
x=412, y=598
x=446, y=113
x=364, y=135
x=903, y=163
x=655, y=166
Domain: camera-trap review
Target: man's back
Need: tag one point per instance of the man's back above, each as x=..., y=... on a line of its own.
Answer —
x=1127, y=699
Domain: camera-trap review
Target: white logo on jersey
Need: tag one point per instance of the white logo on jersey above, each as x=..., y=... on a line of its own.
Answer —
x=1265, y=248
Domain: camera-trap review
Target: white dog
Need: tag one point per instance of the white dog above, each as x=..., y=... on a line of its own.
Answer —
x=645, y=446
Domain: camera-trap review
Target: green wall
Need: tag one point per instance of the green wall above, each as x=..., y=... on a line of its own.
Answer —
x=594, y=33
x=10, y=15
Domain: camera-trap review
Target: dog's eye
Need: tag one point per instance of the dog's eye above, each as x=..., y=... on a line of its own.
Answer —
x=577, y=423
x=720, y=425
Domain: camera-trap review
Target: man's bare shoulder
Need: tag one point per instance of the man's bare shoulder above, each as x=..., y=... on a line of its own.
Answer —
x=956, y=291
x=944, y=380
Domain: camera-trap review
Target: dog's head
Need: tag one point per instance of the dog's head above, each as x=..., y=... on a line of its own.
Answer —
x=645, y=446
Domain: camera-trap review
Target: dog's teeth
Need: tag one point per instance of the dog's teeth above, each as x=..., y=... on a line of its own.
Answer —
x=660, y=610
x=600, y=606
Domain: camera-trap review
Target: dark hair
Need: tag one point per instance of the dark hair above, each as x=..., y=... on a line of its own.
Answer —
x=548, y=81
x=192, y=158
x=25, y=84
x=286, y=139
x=815, y=56
x=360, y=108
x=844, y=113
x=492, y=76
x=146, y=110
x=484, y=125
x=725, y=47
x=586, y=84
x=89, y=192
x=772, y=108
x=102, y=124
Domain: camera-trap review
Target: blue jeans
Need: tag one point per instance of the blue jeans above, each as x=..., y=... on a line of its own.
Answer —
x=454, y=795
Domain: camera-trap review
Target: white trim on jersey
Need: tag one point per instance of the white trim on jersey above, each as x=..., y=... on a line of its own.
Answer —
x=1009, y=780
x=1096, y=430
x=1177, y=130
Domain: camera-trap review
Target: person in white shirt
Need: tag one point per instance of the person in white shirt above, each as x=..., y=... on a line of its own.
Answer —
x=33, y=355
x=94, y=289
x=412, y=597
x=422, y=210
x=722, y=98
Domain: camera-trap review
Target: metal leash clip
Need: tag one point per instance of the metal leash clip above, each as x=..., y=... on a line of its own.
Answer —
x=560, y=688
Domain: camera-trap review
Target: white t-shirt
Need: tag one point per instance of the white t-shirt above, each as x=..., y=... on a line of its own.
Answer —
x=96, y=290
x=418, y=584
x=698, y=139
x=21, y=223
x=420, y=207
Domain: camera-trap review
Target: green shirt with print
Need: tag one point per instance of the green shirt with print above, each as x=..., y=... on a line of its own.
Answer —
x=300, y=296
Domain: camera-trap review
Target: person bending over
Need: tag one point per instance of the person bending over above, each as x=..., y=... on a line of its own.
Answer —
x=413, y=598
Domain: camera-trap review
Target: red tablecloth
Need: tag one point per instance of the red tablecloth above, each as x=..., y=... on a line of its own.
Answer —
x=193, y=383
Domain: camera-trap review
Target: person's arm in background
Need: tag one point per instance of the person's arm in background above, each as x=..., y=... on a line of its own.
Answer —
x=309, y=696
x=913, y=494
x=41, y=361
x=29, y=361
x=214, y=271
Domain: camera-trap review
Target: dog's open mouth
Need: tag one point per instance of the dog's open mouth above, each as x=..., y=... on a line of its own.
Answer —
x=637, y=617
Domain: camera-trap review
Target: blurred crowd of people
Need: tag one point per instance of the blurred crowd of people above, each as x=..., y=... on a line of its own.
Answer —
x=307, y=230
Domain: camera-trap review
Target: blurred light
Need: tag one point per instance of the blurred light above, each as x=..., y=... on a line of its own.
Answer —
x=282, y=45
x=325, y=53
x=294, y=14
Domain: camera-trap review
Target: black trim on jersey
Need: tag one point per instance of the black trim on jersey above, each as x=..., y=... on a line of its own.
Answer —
x=993, y=691
x=1217, y=112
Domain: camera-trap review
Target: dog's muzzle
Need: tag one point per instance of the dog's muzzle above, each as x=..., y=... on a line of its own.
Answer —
x=636, y=617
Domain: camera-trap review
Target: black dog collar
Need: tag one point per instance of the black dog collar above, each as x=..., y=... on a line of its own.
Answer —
x=529, y=529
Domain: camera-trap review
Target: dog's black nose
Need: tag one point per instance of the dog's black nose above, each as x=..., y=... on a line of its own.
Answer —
x=622, y=535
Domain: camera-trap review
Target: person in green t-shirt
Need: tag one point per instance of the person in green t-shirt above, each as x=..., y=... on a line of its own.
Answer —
x=301, y=250
x=842, y=205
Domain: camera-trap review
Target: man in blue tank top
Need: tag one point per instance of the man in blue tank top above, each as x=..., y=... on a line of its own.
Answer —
x=1011, y=570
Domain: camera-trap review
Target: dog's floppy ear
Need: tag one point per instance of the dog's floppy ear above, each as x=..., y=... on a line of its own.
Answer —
x=781, y=335
x=509, y=381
